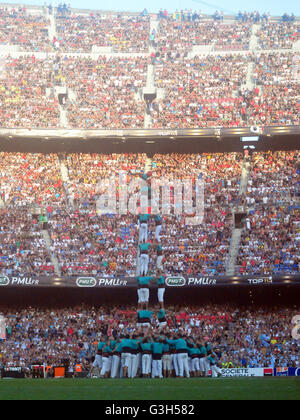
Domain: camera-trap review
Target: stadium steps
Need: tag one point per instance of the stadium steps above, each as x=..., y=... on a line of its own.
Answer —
x=63, y=117
x=53, y=258
x=244, y=177
x=250, y=85
x=52, y=26
x=254, y=44
x=66, y=181
x=237, y=233
x=233, y=252
x=154, y=24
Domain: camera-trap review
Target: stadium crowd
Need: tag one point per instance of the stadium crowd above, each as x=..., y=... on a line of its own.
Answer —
x=271, y=238
x=23, y=249
x=200, y=92
x=107, y=91
x=93, y=337
x=277, y=35
x=204, y=91
x=277, y=100
x=202, y=248
x=80, y=33
x=86, y=241
x=23, y=29
x=26, y=93
x=31, y=179
x=182, y=36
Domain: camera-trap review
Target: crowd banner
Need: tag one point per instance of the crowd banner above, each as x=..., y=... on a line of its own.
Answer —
x=287, y=371
x=86, y=281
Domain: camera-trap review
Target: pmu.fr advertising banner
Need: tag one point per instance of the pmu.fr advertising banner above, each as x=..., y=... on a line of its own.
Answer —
x=97, y=281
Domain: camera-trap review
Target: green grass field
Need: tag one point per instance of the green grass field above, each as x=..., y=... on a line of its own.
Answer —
x=143, y=389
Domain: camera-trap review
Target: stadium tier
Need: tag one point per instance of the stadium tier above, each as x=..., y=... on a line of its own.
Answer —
x=253, y=337
x=146, y=70
x=58, y=197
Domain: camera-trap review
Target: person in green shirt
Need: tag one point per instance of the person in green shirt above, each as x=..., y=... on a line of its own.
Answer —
x=146, y=349
x=143, y=291
x=167, y=360
x=134, y=356
x=106, y=359
x=160, y=257
x=161, y=317
x=194, y=354
x=116, y=359
x=143, y=227
x=157, y=352
x=97, y=363
x=144, y=318
x=203, y=360
x=182, y=354
x=161, y=287
x=126, y=344
x=215, y=370
x=144, y=258
x=158, y=228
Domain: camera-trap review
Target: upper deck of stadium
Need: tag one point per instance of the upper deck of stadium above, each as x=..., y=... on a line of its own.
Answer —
x=81, y=73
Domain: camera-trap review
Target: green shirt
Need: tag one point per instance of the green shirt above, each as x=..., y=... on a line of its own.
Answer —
x=180, y=344
x=203, y=350
x=193, y=351
x=144, y=281
x=107, y=349
x=212, y=360
x=101, y=345
x=145, y=314
x=146, y=346
x=161, y=314
x=144, y=217
x=160, y=281
x=157, y=348
x=145, y=247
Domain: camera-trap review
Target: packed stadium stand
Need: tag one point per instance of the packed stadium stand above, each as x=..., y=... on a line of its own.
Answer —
x=65, y=74
x=199, y=73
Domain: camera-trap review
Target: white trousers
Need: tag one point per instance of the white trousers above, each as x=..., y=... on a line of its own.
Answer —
x=106, y=365
x=175, y=363
x=160, y=294
x=183, y=364
x=146, y=364
x=143, y=232
x=98, y=361
x=167, y=362
x=157, y=368
x=157, y=232
x=126, y=361
x=115, y=366
x=204, y=365
x=143, y=295
x=133, y=366
x=159, y=263
x=215, y=371
x=195, y=365
x=144, y=263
